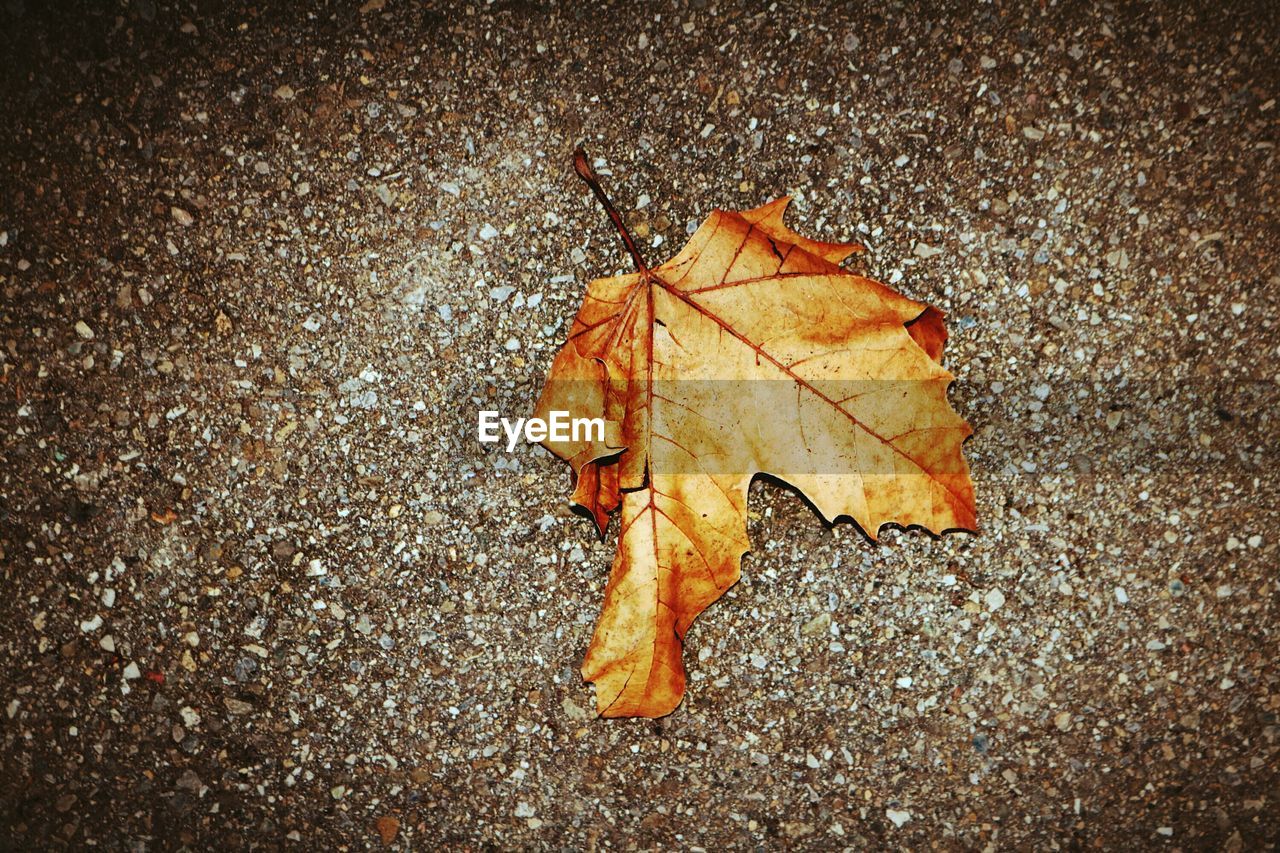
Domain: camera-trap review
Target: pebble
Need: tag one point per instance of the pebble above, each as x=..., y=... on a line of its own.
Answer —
x=898, y=817
x=181, y=216
x=244, y=669
x=189, y=781
x=817, y=626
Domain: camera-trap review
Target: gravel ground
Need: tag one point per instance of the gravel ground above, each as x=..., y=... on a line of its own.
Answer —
x=263, y=588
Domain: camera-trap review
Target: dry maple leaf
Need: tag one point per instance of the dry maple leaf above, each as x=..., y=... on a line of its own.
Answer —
x=750, y=352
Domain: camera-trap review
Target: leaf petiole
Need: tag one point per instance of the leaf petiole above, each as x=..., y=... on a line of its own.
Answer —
x=582, y=166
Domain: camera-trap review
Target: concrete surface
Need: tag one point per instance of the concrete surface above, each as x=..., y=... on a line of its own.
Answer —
x=263, y=589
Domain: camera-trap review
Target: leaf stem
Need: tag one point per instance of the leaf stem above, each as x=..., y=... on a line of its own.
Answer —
x=582, y=166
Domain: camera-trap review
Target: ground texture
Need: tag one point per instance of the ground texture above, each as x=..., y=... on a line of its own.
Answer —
x=260, y=266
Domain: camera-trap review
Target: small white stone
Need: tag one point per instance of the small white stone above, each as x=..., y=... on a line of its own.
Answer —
x=512, y=344
x=1121, y=596
x=181, y=217
x=190, y=718
x=488, y=232
x=83, y=330
x=897, y=816
x=523, y=809
x=108, y=643
x=994, y=600
x=131, y=672
x=91, y=625
x=904, y=682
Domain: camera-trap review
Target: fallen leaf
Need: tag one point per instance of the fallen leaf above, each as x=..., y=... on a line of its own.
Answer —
x=751, y=351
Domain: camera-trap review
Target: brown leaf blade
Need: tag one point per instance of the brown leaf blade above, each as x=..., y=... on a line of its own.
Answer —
x=749, y=352
x=673, y=561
